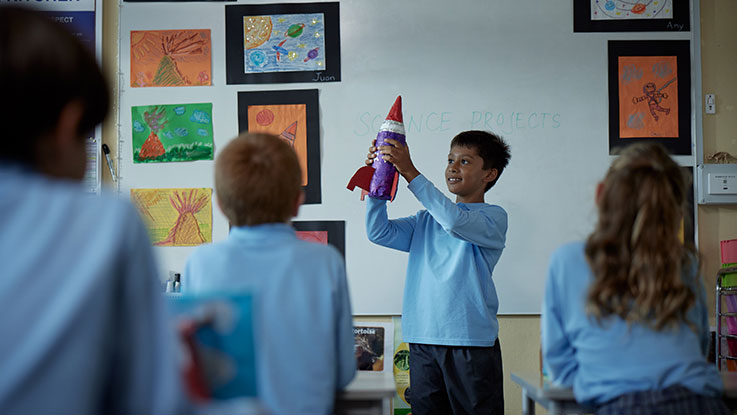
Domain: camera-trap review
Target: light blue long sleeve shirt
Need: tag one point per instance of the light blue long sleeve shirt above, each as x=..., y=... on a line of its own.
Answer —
x=302, y=313
x=449, y=295
x=82, y=321
x=602, y=362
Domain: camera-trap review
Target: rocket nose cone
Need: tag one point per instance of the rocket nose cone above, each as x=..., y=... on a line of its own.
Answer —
x=395, y=114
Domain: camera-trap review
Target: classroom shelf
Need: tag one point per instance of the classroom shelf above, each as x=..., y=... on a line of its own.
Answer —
x=726, y=334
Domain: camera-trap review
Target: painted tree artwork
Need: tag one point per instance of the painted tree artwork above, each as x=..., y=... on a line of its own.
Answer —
x=284, y=42
x=171, y=58
x=648, y=96
x=176, y=217
x=167, y=133
x=289, y=122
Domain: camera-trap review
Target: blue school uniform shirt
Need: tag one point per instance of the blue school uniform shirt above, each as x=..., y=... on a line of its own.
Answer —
x=83, y=325
x=449, y=295
x=602, y=362
x=303, y=326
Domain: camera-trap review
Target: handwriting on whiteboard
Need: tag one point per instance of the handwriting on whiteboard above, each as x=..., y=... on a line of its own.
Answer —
x=503, y=122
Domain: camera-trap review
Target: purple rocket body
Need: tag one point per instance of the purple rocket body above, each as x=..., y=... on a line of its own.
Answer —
x=382, y=182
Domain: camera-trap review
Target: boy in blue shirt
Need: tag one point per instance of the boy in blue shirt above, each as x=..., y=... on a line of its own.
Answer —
x=82, y=320
x=450, y=302
x=302, y=313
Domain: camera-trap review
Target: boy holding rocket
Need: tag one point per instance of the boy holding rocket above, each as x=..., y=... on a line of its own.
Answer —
x=450, y=302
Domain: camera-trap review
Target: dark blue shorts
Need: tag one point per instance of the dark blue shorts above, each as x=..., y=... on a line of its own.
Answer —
x=456, y=379
x=675, y=400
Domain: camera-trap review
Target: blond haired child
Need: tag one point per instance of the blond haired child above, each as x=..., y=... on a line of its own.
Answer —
x=302, y=313
x=624, y=318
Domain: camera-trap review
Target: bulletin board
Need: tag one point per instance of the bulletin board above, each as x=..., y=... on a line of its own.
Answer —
x=516, y=68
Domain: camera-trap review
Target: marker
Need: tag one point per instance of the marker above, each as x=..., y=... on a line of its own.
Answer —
x=106, y=150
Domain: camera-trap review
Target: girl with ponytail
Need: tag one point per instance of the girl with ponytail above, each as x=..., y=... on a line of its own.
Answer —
x=624, y=317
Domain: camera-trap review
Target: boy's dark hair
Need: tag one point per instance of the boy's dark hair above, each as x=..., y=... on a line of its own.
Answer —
x=43, y=67
x=491, y=148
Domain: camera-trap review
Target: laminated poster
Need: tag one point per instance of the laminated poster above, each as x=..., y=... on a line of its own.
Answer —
x=176, y=217
x=401, y=401
x=170, y=58
x=373, y=344
x=167, y=133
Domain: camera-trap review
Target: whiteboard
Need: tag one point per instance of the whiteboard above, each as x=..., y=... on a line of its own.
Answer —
x=510, y=66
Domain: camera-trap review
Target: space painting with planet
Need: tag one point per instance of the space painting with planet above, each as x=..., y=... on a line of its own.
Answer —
x=281, y=43
x=286, y=42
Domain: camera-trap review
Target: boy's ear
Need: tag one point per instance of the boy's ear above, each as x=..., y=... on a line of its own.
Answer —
x=299, y=202
x=599, y=192
x=491, y=175
x=61, y=152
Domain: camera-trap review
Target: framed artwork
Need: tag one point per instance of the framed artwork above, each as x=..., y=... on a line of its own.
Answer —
x=650, y=94
x=171, y=58
x=323, y=232
x=176, y=217
x=631, y=16
x=164, y=133
x=293, y=116
x=282, y=43
x=169, y=1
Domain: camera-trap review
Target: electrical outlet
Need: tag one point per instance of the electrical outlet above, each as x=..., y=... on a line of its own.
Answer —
x=710, y=105
x=722, y=184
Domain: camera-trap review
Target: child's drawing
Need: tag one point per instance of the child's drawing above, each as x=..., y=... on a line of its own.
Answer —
x=176, y=217
x=170, y=58
x=163, y=133
x=320, y=237
x=284, y=42
x=631, y=9
x=648, y=96
x=285, y=121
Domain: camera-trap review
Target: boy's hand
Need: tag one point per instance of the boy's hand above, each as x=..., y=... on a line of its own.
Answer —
x=371, y=154
x=398, y=155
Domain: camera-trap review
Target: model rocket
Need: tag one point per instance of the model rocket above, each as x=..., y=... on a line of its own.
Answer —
x=380, y=179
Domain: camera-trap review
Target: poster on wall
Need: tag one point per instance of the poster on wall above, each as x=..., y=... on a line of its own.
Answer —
x=650, y=94
x=400, y=359
x=631, y=16
x=322, y=232
x=166, y=133
x=291, y=115
x=170, y=58
x=83, y=18
x=176, y=217
x=281, y=43
x=373, y=346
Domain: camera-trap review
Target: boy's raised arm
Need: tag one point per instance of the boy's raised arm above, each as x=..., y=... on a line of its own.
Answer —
x=395, y=233
x=485, y=227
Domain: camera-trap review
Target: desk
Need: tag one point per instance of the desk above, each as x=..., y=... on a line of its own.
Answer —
x=368, y=394
x=559, y=400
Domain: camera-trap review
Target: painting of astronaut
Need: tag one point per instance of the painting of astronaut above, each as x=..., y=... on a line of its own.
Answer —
x=650, y=94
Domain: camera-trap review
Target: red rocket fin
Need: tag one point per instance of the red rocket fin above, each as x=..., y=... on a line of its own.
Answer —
x=362, y=178
x=394, y=186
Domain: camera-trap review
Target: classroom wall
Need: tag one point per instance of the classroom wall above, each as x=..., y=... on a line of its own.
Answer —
x=718, y=60
x=520, y=335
